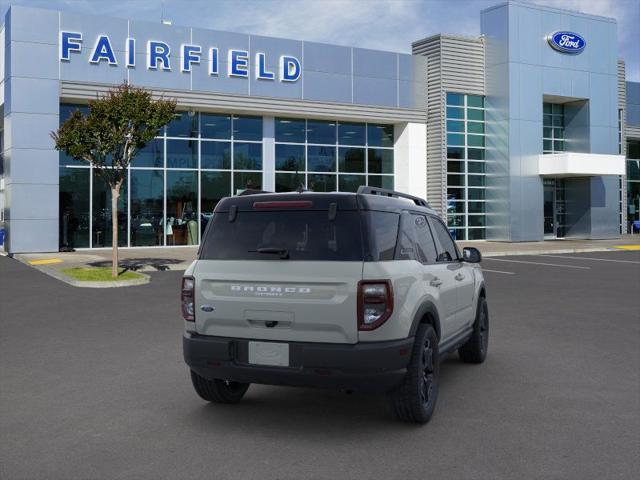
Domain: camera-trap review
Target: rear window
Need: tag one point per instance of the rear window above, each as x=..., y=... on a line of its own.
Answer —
x=303, y=234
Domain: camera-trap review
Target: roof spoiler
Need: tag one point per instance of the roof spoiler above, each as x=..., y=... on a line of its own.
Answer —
x=383, y=192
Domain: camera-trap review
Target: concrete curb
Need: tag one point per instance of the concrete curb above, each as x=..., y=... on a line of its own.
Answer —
x=84, y=284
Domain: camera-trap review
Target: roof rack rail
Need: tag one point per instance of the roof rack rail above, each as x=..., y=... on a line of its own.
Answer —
x=383, y=192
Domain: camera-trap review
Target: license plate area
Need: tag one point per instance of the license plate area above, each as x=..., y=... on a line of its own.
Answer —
x=269, y=353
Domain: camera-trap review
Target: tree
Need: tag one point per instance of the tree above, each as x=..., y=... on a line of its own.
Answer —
x=117, y=126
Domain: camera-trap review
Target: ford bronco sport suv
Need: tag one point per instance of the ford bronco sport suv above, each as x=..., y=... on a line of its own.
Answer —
x=358, y=291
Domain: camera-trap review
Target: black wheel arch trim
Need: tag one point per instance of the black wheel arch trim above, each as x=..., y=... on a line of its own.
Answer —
x=427, y=308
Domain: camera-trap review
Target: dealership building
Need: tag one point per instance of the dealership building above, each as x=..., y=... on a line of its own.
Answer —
x=525, y=133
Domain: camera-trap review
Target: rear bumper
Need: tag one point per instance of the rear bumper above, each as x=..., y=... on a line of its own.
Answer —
x=368, y=367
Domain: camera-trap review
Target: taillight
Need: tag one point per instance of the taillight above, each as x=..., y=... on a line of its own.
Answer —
x=375, y=303
x=186, y=298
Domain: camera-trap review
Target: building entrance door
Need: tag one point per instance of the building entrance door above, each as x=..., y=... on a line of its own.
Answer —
x=555, y=208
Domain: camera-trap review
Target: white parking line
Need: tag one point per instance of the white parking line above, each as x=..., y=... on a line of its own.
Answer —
x=497, y=271
x=535, y=263
x=591, y=258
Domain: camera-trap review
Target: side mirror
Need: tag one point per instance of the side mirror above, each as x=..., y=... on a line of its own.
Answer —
x=471, y=255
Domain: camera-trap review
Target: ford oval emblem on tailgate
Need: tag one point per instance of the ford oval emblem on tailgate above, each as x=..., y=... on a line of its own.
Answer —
x=207, y=308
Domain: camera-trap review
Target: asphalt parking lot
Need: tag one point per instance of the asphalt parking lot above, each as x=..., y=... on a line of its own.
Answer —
x=93, y=386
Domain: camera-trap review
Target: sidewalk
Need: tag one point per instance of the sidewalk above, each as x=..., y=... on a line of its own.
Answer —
x=179, y=258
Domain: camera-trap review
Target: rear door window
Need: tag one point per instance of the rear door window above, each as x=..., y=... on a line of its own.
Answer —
x=426, y=247
x=447, y=251
x=303, y=234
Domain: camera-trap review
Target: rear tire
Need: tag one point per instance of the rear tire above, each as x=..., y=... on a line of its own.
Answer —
x=415, y=400
x=218, y=391
x=475, y=349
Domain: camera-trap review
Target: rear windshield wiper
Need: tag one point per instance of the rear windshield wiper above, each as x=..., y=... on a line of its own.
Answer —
x=283, y=252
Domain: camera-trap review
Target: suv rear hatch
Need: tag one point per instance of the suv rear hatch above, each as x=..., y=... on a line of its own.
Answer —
x=281, y=267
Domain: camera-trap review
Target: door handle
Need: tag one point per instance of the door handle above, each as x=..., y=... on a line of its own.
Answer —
x=459, y=277
x=436, y=282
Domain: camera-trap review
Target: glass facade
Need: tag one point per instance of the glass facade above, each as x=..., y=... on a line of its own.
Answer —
x=465, y=130
x=326, y=156
x=552, y=128
x=172, y=185
x=633, y=183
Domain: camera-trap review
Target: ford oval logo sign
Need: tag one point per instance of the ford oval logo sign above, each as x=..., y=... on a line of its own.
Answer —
x=567, y=42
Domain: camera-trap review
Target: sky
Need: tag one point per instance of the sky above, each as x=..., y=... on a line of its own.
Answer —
x=378, y=24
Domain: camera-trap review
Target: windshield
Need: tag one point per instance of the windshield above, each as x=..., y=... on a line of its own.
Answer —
x=293, y=235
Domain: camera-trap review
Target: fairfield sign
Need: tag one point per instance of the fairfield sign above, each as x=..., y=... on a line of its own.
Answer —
x=159, y=56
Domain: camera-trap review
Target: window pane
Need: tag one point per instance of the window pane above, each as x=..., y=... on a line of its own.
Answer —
x=476, y=180
x=558, y=133
x=351, y=160
x=455, y=221
x=547, y=132
x=454, y=112
x=101, y=215
x=147, y=187
x=425, y=245
x=477, y=234
x=477, y=115
x=67, y=160
x=476, y=167
x=247, y=128
x=455, y=126
x=182, y=154
x=547, y=120
x=458, y=233
x=215, y=126
x=380, y=161
x=557, y=108
x=475, y=101
x=321, y=183
x=547, y=145
x=546, y=108
x=351, y=133
x=558, y=145
x=213, y=187
x=183, y=125
x=380, y=135
x=289, y=182
x=74, y=207
x=477, y=220
x=290, y=157
x=152, y=155
x=182, y=208
x=633, y=169
x=350, y=183
x=455, y=167
x=321, y=159
x=455, y=180
x=319, y=131
x=455, y=139
x=476, y=193
x=381, y=181
x=475, y=127
x=475, y=140
x=290, y=130
x=476, y=207
x=455, y=152
x=455, y=193
x=247, y=156
x=247, y=181
x=558, y=121
x=215, y=155
x=455, y=98
x=633, y=149
x=455, y=207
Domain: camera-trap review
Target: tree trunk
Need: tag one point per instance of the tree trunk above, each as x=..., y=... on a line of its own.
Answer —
x=115, y=193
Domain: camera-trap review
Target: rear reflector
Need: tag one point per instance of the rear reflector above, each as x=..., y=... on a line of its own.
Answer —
x=284, y=204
